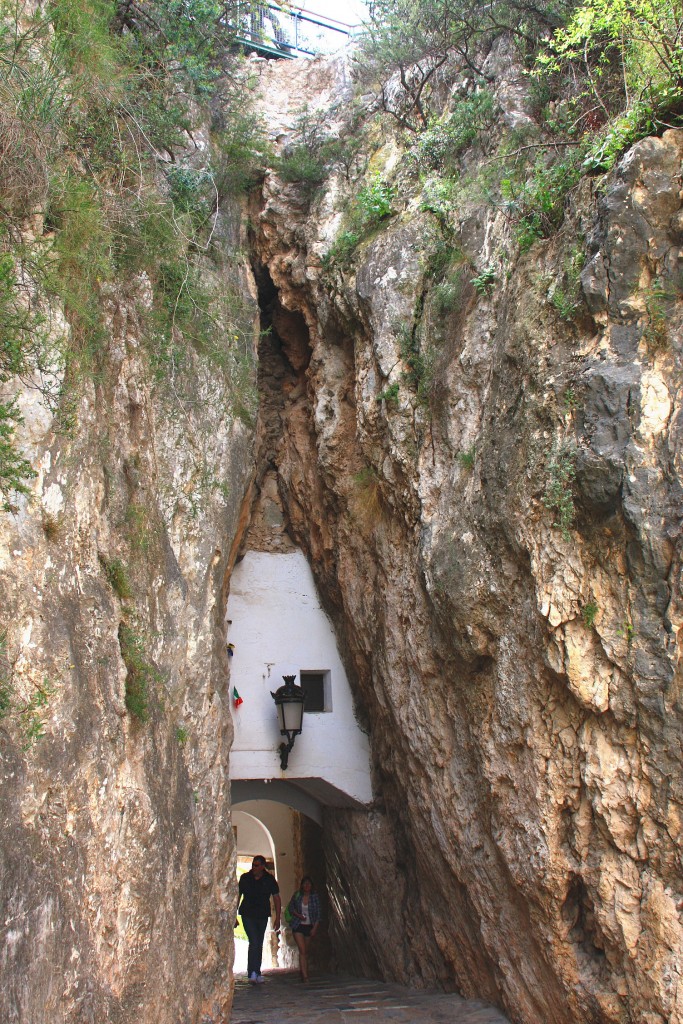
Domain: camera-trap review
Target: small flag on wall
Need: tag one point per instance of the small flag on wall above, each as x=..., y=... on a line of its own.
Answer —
x=236, y=699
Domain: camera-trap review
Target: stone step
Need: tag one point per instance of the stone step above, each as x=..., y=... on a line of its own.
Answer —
x=335, y=999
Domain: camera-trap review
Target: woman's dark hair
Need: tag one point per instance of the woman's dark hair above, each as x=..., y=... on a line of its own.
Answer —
x=306, y=878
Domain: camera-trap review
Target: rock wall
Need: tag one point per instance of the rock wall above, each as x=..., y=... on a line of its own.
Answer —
x=519, y=672
x=117, y=860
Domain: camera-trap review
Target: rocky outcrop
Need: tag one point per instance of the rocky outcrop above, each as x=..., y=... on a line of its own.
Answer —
x=117, y=853
x=501, y=556
x=486, y=479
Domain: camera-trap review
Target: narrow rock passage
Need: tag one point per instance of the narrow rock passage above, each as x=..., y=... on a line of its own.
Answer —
x=335, y=999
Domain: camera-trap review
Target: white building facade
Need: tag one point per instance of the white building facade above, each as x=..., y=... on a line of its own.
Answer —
x=276, y=626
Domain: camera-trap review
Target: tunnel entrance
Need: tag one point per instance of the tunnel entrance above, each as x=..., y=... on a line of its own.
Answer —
x=292, y=843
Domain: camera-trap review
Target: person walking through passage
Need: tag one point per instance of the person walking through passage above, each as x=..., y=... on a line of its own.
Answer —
x=304, y=908
x=256, y=887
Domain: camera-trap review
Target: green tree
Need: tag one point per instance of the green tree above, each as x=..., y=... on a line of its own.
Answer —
x=646, y=36
x=407, y=42
x=631, y=56
x=193, y=35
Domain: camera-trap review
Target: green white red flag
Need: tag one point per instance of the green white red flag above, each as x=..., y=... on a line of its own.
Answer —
x=236, y=699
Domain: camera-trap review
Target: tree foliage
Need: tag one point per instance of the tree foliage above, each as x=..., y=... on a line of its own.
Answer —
x=407, y=43
x=628, y=52
x=192, y=35
x=646, y=35
x=631, y=55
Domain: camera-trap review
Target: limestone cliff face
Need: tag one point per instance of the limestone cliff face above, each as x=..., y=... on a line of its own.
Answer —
x=117, y=854
x=520, y=680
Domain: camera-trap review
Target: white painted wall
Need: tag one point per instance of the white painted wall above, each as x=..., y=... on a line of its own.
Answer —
x=278, y=627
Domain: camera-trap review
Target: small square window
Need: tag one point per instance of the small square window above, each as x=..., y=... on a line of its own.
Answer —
x=316, y=686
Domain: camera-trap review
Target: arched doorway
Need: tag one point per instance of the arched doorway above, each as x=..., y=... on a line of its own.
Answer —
x=294, y=835
x=251, y=837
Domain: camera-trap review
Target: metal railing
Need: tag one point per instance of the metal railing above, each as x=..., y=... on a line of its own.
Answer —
x=285, y=32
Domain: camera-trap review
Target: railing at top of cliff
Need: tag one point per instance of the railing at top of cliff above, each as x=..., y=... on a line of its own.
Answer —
x=288, y=32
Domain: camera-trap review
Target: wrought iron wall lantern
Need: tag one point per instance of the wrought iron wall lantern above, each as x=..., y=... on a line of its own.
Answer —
x=289, y=701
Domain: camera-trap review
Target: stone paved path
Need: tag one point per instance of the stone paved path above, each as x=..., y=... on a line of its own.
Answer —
x=333, y=999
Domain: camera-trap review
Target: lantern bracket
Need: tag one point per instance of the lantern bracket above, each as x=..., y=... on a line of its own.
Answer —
x=289, y=701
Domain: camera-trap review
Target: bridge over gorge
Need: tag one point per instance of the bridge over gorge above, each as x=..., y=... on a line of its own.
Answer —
x=279, y=31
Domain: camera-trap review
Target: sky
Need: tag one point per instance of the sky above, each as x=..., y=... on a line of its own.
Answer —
x=351, y=12
x=304, y=34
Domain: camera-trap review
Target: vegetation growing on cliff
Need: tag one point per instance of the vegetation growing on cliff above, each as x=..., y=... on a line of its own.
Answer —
x=97, y=102
x=141, y=674
x=601, y=75
x=408, y=43
x=507, y=106
x=623, y=56
x=26, y=713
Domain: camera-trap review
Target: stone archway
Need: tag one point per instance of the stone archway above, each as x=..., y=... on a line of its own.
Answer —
x=252, y=837
x=274, y=814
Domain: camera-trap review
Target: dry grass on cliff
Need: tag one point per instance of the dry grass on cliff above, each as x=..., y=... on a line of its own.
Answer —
x=368, y=495
x=24, y=180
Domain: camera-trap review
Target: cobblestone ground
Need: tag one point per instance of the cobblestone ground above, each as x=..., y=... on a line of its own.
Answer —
x=334, y=999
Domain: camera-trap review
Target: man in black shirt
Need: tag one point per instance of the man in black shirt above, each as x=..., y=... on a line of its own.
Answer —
x=256, y=888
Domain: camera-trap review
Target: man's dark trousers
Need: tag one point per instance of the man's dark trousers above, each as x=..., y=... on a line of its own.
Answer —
x=255, y=927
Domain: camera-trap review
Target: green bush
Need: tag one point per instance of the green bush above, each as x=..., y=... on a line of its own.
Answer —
x=619, y=134
x=589, y=613
x=467, y=458
x=140, y=527
x=438, y=197
x=390, y=393
x=409, y=347
x=191, y=191
x=140, y=673
x=374, y=203
x=82, y=258
x=643, y=35
x=448, y=293
x=23, y=352
x=5, y=680
x=558, y=497
x=566, y=296
x=15, y=470
x=446, y=137
x=372, y=206
x=5, y=698
x=656, y=329
x=628, y=59
x=299, y=164
x=242, y=148
x=31, y=715
x=342, y=250
x=304, y=159
x=483, y=283
x=28, y=714
x=117, y=575
x=537, y=200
